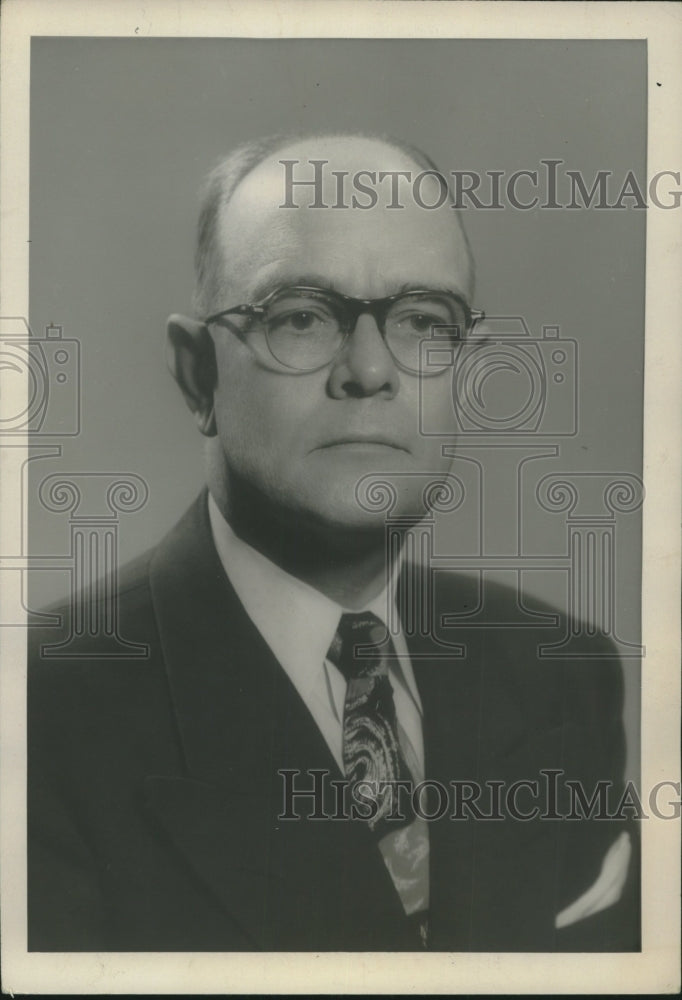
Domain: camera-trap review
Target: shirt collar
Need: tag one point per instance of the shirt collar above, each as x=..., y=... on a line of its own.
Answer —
x=296, y=620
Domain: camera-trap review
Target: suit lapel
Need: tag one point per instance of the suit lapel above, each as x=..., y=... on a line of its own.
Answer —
x=489, y=885
x=288, y=884
x=224, y=680
x=450, y=690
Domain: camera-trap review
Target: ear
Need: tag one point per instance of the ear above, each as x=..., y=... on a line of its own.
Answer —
x=190, y=356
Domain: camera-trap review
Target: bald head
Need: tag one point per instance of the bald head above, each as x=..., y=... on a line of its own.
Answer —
x=245, y=228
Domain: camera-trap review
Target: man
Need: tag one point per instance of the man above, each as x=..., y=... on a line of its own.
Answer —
x=173, y=801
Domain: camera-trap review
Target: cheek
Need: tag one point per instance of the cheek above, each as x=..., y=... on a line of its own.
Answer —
x=434, y=413
x=261, y=421
x=245, y=425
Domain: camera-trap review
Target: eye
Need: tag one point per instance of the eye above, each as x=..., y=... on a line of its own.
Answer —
x=415, y=316
x=421, y=322
x=301, y=320
x=296, y=313
x=416, y=322
x=298, y=320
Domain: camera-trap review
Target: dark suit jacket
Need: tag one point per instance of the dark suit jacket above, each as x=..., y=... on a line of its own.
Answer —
x=154, y=792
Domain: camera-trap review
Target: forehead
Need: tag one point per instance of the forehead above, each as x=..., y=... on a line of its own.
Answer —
x=359, y=250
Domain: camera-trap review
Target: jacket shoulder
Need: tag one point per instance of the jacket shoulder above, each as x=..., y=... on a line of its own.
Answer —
x=520, y=643
x=84, y=609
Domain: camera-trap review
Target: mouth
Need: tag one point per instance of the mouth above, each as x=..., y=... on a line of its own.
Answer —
x=363, y=442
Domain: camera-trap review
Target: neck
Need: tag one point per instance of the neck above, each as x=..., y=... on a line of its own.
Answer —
x=348, y=567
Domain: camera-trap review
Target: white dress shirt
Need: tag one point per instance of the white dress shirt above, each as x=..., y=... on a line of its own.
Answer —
x=298, y=623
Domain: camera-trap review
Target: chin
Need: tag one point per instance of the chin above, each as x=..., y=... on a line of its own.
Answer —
x=365, y=508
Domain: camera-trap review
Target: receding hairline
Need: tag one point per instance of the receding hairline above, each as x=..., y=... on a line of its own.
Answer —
x=225, y=178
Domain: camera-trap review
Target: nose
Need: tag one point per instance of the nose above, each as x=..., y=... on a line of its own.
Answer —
x=365, y=367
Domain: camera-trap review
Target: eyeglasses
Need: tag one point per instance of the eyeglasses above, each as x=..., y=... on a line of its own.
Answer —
x=305, y=328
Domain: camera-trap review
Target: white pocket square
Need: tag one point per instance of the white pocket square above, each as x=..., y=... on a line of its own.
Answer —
x=606, y=890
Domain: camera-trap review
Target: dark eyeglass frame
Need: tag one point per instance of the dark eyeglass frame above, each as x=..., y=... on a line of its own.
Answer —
x=350, y=307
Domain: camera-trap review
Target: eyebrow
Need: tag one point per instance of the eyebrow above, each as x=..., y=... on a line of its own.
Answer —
x=283, y=281
x=319, y=281
x=415, y=286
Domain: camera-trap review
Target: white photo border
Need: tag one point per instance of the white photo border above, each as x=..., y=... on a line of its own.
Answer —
x=656, y=968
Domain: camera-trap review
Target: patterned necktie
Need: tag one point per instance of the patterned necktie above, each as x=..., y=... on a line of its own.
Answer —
x=373, y=751
x=371, y=747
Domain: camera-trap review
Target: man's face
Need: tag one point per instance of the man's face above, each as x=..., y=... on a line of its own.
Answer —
x=304, y=441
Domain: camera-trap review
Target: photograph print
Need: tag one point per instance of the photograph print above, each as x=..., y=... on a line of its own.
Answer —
x=336, y=349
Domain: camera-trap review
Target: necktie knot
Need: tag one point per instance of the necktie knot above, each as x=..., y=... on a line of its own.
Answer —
x=360, y=646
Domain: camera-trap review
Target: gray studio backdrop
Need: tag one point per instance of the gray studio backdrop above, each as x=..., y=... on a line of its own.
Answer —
x=122, y=133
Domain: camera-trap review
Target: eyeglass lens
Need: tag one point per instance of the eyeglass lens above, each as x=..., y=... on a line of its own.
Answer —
x=305, y=329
